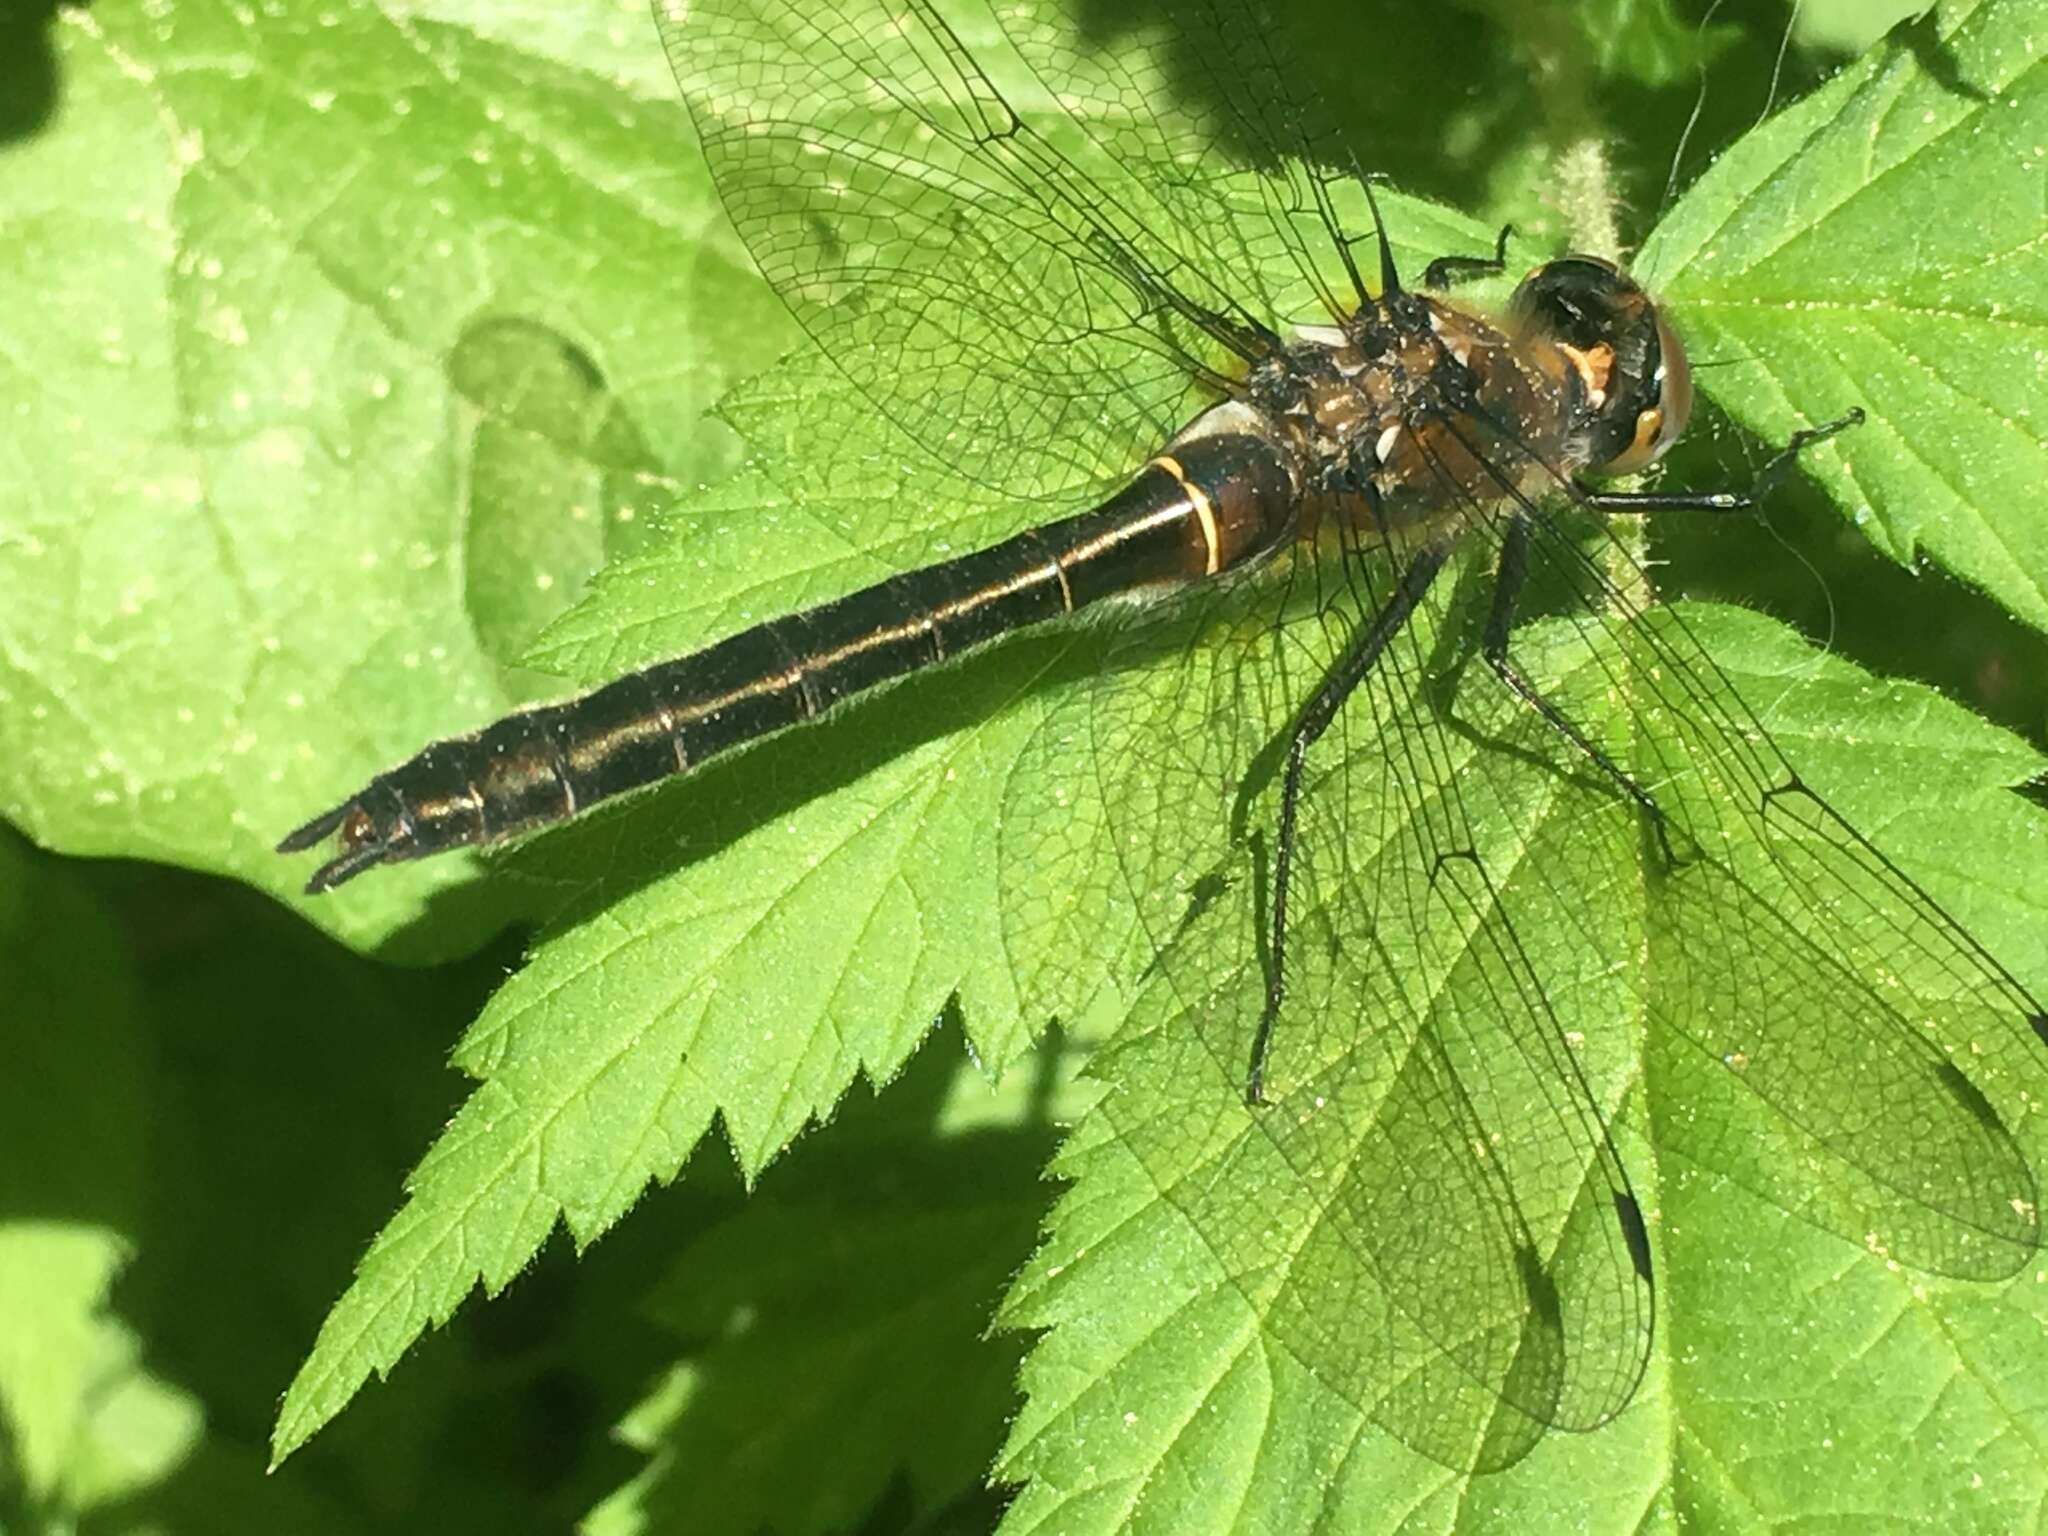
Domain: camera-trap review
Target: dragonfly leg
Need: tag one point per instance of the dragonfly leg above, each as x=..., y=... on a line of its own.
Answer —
x=1723, y=501
x=1446, y=270
x=1493, y=647
x=1349, y=670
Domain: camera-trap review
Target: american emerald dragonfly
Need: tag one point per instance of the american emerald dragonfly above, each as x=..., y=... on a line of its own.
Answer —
x=1280, y=470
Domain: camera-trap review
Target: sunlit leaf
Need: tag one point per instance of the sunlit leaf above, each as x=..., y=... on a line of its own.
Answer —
x=1880, y=245
x=331, y=313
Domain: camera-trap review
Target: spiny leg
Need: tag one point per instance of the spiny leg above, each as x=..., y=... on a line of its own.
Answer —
x=1513, y=569
x=1337, y=685
x=1446, y=270
x=1509, y=574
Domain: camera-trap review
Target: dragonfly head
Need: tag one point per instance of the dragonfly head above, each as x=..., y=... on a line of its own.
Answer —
x=1633, y=390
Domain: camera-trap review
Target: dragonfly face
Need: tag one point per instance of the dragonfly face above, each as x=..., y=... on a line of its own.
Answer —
x=1464, y=1259
x=1632, y=389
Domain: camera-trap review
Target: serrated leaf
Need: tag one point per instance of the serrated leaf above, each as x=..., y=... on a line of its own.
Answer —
x=842, y=1326
x=1170, y=1392
x=1881, y=245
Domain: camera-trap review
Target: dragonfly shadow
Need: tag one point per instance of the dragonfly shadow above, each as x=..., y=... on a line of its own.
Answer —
x=1454, y=664
x=1455, y=95
x=1921, y=37
x=1418, y=66
x=1208, y=890
x=30, y=80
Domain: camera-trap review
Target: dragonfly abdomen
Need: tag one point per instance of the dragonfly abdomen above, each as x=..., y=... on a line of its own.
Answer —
x=1212, y=504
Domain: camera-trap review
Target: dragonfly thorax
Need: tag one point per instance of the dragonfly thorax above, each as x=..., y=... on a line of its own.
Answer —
x=1416, y=413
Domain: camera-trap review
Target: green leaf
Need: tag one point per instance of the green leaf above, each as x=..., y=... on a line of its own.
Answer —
x=84, y=1422
x=841, y=1327
x=1171, y=1390
x=332, y=313
x=335, y=396
x=744, y=943
x=1880, y=245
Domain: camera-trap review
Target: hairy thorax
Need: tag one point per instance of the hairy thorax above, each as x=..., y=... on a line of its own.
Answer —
x=1417, y=417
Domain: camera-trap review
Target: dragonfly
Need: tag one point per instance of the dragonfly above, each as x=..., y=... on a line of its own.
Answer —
x=1278, y=471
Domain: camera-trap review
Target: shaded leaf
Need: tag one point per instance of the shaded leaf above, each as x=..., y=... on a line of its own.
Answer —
x=84, y=1423
x=841, y=1326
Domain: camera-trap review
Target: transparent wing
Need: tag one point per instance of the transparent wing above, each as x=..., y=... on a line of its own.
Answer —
x=1489, y=947
x=1793, y=957
x=1018, y=317
x=1176, y=99
x=1448, y=1236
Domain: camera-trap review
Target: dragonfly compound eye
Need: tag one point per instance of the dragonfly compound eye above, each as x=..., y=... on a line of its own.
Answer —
x=1624, y=370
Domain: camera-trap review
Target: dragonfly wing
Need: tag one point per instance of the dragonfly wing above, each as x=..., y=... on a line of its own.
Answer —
x=1175, y=98
x=1788, y=952
x=1013, y=314
x=1440, y=1228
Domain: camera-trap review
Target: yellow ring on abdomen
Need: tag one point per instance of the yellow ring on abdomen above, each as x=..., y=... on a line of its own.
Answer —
x=1205, y=513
